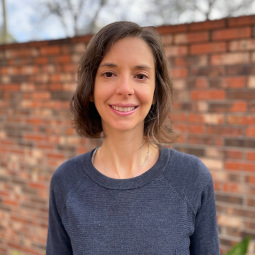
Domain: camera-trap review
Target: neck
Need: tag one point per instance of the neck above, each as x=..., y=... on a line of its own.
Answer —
x=124, y=156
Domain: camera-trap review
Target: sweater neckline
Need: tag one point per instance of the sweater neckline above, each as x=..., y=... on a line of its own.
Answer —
x=130, y=183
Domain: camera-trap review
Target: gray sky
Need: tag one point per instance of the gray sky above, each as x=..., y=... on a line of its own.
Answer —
x=24, y=25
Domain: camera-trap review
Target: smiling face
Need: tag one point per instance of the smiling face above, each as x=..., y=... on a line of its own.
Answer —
x=124, y=85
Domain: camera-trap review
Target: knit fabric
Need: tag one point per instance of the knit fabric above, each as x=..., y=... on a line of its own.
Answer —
x=170, y=209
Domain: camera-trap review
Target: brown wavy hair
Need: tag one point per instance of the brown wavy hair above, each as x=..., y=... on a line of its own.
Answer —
x=87, y=121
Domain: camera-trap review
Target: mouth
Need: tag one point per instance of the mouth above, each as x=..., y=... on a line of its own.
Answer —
x=123, y=109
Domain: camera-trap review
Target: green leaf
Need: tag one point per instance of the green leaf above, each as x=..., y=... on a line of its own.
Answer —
x=240, y=248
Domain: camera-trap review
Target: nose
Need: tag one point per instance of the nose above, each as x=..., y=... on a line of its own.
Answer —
x=125, y=86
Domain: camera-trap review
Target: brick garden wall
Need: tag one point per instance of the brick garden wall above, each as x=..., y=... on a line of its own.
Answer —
x=212, y=65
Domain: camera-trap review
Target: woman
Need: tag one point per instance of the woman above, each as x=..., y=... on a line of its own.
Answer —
x=132, y=195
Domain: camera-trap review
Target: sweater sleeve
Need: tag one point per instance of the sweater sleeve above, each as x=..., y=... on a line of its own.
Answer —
x=58, y=241
x=205, y=237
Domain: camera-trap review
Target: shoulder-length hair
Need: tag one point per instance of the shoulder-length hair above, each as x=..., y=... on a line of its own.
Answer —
x=87, y=121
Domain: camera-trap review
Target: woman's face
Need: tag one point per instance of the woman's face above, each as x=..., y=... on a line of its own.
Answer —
x=124, y=85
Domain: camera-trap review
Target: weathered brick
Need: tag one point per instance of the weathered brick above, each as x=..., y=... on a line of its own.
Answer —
x=196, y=60
x=208, y=71
x=241, y=94
x=230, y=59
x=198, y=83
x=187, y=38
x=227, y=220
x=174, y=50
x=242, y=45
x=49, y=50
x=241, y=143
x=167, y=39
x=228, y=82
x=231, y=199
x=205, y=139
x=241, y=120
x=244, y=69
x=233, y=154
x=251, y=82
x=223, y=130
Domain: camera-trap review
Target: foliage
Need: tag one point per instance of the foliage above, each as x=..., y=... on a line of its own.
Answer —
x=240, y=248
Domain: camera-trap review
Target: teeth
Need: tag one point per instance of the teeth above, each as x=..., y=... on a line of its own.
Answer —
x=123, y=109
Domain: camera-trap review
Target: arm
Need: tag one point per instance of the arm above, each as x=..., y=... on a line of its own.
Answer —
x=205, y=239
x=58, y=241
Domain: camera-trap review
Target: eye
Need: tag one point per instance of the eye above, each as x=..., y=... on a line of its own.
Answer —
x=108, y=74
x=141, y=76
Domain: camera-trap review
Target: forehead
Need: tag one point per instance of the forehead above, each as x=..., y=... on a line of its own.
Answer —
x=130, y=48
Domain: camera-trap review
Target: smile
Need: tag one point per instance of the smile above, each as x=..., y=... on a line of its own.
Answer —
x=123, y=109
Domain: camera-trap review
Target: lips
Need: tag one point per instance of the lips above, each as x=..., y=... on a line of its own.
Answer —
x=123, y=109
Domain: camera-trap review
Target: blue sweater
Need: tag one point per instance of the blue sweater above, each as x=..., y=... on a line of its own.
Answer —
x=170, y=209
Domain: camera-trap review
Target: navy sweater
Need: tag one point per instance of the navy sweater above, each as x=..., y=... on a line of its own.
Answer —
x=170, y=209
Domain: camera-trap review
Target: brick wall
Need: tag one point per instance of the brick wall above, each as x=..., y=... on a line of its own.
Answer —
x=212, y=65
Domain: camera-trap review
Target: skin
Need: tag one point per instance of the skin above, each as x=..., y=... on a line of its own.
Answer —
x=123, y=95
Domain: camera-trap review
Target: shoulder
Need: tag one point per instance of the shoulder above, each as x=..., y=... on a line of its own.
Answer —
x=186, y=166
x=69, y=173
x=189, y=176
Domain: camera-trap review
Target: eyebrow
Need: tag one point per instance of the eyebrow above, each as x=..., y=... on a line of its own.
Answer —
x=114, y=65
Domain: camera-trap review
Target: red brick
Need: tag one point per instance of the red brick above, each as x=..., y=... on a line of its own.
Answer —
x=49, y=50
x=232, y=154
x=43, y=95
x=208, y=48
x=234, y=82
x=180, y=128
x=62, y=59
x=179, y=72
x=231, y=187
x=231, y=33
x=178, y=117
x=208, y=95
x=10, y=87
x=250, y=179
x=186, y=38
x=240, y=166
x=196, y=129
x=208, y=25
x=172, y=29
x=41, y=60
x=196, y=118
x=240, y=120
x=56, y=156
x=241, y=21
x=238, y=106
x=250, y=156
x=36, y=138
x=230, y=59
x=250, y=131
